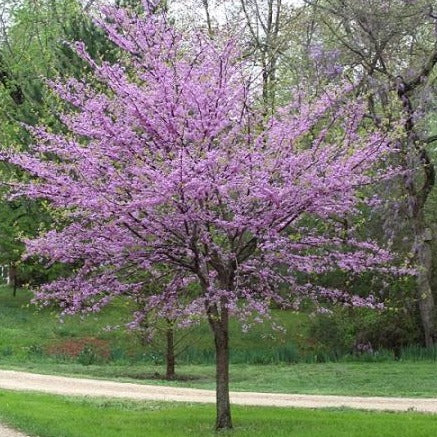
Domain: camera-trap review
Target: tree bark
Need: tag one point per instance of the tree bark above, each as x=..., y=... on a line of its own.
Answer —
x=417, y=197
x=13, y=278
x=170, y=353
x=220, y=327
x=208, y=17
x=423, y=254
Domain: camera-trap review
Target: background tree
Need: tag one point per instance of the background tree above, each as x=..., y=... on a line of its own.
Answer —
x=263, y=29
x=392, y=47
x=32, y=50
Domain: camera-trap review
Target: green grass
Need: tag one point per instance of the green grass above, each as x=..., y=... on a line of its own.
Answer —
x=26, y=331
x=407, y=379
x=56, y=416
x=25, y=335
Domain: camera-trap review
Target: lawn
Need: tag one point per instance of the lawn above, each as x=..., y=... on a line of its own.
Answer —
x=56, y=416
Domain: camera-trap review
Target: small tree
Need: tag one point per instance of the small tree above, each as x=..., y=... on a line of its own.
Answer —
x=159, y=309
x=169, y=164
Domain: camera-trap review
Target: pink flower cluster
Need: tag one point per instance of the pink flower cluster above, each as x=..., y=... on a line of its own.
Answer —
x=173, y=166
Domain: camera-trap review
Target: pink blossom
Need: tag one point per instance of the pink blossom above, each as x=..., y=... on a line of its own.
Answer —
x=173, y=167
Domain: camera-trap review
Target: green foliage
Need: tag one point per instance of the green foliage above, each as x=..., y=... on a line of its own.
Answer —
x=363, y=333
x=18, y=220
x=331, y=335
x=33, y=51
x=29, y=335
x=87, y=356
x=417, y=353
x=41, y=329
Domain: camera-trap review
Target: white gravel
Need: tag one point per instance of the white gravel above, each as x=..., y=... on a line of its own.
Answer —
x=23, y=381
x=8, y=432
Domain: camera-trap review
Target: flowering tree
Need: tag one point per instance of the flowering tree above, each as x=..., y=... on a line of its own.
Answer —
x=167, y=165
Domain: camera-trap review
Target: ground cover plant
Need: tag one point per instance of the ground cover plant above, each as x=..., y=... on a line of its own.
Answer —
x=49, y=416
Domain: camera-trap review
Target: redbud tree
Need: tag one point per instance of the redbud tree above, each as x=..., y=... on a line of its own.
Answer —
x=168, y=165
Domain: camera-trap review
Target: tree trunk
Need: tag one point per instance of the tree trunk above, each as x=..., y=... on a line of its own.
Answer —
x=423, y=254
x=418, y=192
x=13, y=278
x=170, y=353
x=220, y=328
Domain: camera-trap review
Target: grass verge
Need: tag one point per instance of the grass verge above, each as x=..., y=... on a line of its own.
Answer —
x=56, y=416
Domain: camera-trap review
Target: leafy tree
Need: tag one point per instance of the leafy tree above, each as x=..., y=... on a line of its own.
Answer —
x=167, y=164
x=33, y=50
x=263, y=28
x=392, y=47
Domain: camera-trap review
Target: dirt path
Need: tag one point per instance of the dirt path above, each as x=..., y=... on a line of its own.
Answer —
x=8, y=432
x=13, y=380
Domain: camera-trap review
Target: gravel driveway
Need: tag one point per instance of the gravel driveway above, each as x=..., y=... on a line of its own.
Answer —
x=8, y=432
x=23, y=381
